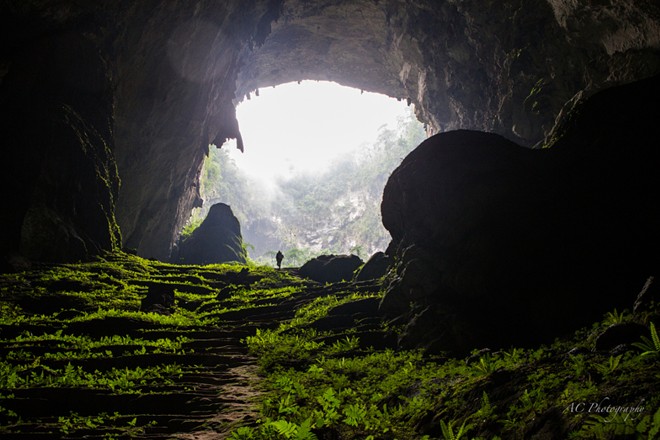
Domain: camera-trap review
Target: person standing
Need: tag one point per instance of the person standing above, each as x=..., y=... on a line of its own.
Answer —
x=279, y=257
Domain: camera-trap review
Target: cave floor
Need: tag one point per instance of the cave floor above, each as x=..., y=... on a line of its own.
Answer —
x=248, y=352
x=77, y=350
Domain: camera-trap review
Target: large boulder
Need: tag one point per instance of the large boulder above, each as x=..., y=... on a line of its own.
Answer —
x=375, y=267
x=331, y=268
x=217, y=240
x=499, y=244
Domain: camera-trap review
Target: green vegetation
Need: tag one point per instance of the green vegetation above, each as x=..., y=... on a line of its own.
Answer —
x=329, y=212
x=650, y=347
x=79, y=359
x=74, y=338
x=328, y=384
x=190, y=227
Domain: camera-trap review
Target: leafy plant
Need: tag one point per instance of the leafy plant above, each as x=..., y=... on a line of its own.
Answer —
x=290, y=430
x=487, y=410
x=609, y=366
x=649, y=346
x=621, y=425
x=449, y=432
x=190, y=228
x=243, y=433
x=615, y=317
x=578, y=364
x=355, y=414
x=486, y=364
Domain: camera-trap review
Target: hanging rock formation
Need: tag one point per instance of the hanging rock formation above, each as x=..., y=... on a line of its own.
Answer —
x=500, y=245
x=147, y=86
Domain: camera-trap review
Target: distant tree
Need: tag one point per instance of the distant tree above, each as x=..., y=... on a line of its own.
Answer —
x=334, y=212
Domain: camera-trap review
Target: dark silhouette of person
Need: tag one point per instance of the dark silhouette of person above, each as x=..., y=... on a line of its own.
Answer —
x=279, y=257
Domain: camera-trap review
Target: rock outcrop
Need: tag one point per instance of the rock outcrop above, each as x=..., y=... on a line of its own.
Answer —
x=217, y=240
x=498, y=244
x=331, y=268
x=375, y=267
x=153, y=84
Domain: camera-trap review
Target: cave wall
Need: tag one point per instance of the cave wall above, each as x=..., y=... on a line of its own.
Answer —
x=59, y=178
x=174, y=71
x=177, y=72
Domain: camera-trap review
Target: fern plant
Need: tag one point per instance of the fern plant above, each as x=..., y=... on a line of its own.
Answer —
x=615, y=317
x=355, y=414
x=609, y=366
x=649, y=346
x=448, y=432
x=486, y=364
x=243, y=433
x=619, y=425
x=290, y=430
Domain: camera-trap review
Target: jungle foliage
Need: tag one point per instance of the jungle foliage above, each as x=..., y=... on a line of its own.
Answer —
x=335, y=212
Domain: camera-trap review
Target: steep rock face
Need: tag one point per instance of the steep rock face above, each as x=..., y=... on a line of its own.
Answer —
x=59, y=174
x=177, y=66
x=501, y=245
x=175, y=70
x=217, y=240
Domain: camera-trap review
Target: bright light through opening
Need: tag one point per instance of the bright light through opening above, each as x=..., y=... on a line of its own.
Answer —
x=317, y=156
x=299, y=128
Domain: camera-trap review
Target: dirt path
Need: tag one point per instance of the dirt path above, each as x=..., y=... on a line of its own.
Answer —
x=232, y=389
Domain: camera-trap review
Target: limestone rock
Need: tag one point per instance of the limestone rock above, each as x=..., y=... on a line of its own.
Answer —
x=331, y=268
x=621, y=333
x=160, y=299
x=349, y=315
x=58, y=168
x=217, y=240
x=617, y=25
x=649, y=294
x=375, y=267
x=516, y=246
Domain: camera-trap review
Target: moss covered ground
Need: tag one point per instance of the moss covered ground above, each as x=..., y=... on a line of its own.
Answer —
x=249, y=352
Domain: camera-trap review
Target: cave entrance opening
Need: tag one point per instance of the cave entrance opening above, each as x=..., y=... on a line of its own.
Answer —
x=317, y=156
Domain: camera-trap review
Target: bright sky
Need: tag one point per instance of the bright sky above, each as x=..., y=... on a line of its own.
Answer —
x=301, y=128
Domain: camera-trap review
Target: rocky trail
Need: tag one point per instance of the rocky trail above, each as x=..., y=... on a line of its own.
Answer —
x=215, y=390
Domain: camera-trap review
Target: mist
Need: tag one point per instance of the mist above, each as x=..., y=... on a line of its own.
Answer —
x=317, y=156
x=302, y=128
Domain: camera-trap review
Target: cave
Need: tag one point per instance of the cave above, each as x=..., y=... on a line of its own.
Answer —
x=529, y=214
x=148, y=88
